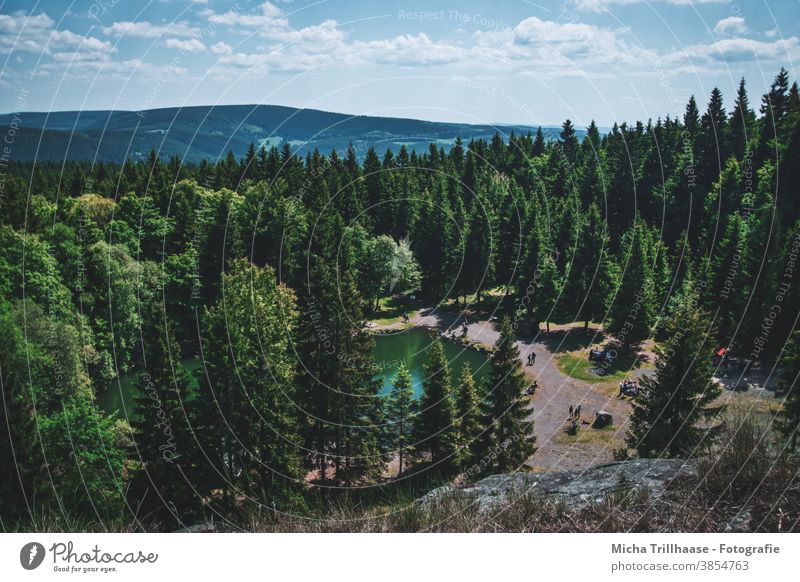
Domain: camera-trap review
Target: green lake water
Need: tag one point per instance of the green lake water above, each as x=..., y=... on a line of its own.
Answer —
x=412, y=347
x=409, y=347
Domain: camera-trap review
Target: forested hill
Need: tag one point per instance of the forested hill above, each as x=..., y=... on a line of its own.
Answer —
x=209, y=132
x=682, y=230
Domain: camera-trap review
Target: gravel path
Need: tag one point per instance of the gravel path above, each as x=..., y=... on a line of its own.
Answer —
x=555, y=394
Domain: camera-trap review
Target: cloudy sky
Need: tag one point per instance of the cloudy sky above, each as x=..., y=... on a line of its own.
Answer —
x=505, y=61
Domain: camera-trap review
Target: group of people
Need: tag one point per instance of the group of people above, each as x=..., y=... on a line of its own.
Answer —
x=597, y=355
x=452, y=333
x=629, y=387
x=727, y=365
x=531, y=358
x=571, y=425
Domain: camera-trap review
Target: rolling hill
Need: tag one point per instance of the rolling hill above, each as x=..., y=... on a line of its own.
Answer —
x=194, y=133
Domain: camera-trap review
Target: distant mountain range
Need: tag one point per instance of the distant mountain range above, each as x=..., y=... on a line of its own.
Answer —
x=194, y=133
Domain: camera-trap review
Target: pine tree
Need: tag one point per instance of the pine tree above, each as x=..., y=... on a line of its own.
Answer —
x=670, y=418
x=788, y=420
x=569, y=142
x=399, y=416
x=691, y=117
x=713, y=144
x=742, y=122
x=588, y=279
x=468, y=417
x=509, y=441
x=247, y=391
x=478, y=269
x=21, y=462
x=633, y=308
x=539, y=143
x=434, y=243
x=162, y=444
x=774, y=109
x=726, y=291
x=341, y=423
x=435, y=432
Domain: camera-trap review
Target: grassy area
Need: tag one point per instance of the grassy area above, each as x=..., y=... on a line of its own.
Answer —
x=586, y=434
x=577, y=365
x=390, y=311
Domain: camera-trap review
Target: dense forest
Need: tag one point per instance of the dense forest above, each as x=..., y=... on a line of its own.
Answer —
x=267, y=267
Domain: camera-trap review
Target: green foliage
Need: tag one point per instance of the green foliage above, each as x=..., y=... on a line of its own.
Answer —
x=111, y=268
x=400, y=410
x=789, y=418
x=632, y=311
x=674, y=416
x=468, y=418
x=243, y=414
x=508, y=441
x=436, y=432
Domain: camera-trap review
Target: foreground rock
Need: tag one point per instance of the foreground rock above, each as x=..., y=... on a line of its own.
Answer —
x=576, y=489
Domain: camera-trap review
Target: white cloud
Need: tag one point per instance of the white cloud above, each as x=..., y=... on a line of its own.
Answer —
x=20, y=32
x=221, y=48
x=268, y=16
x=408, y=50
x=549, y=45
x=730, y=25
x=68, y=54
x=145, y=29
x=604, y=5
x=191, y=45
x=109, y=70
x=738, y=50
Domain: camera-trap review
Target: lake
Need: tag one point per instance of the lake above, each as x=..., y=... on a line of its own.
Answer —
x=409, y=347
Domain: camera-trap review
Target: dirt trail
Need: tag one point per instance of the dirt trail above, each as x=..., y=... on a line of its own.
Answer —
x=555, y=394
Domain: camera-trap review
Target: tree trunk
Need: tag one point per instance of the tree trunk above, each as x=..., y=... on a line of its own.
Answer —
x=400, y=472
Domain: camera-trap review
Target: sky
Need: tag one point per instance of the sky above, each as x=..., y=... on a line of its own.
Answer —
x=505, y=61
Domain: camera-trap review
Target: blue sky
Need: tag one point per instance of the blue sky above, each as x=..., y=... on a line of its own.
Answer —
x=506, y=61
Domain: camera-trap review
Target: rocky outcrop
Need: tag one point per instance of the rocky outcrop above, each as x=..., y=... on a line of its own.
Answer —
x=574, y=488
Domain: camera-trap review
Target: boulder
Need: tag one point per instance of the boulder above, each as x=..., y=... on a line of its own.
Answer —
x=576, y=489
x=602, y=419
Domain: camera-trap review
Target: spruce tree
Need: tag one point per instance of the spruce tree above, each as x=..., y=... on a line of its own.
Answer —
x=435, y=432
x=588, y=280
x=478, y=268
x=691, y=117
x=21, y=461
x=726, y=291
x=788, y=420
x=468, y=417
x=742, y=122
x=161, y=440
x=247, y=391
x=399, y=416
x=509, y=441
x=674, y=415
x=632, y=311
x=341, y=422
